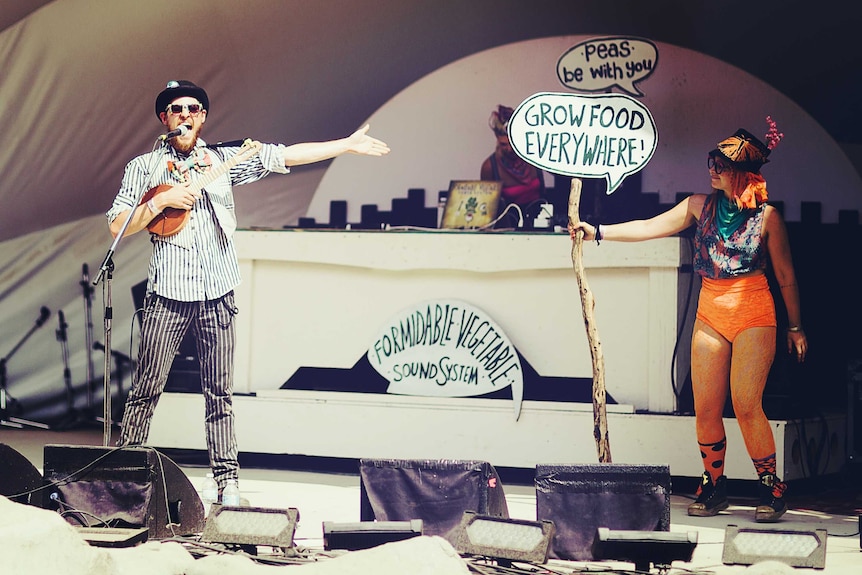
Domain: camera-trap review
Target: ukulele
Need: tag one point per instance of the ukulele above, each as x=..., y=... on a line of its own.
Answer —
x=172, y=220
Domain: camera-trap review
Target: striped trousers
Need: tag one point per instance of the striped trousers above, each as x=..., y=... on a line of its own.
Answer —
x=164, y=323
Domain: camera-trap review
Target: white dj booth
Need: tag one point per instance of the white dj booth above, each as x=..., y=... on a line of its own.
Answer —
x=316, y=299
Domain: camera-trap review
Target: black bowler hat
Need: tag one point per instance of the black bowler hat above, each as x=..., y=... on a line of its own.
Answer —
x=744, y=151
x=177, y=89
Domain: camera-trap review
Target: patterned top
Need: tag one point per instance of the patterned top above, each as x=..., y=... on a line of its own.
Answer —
x=525, y=193
x=199, y=262
x=717, y=257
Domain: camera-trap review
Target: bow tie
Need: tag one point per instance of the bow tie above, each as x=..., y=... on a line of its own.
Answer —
x=199, y=161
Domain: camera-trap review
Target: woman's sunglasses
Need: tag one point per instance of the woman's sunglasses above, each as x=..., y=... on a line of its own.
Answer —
x=715, y=165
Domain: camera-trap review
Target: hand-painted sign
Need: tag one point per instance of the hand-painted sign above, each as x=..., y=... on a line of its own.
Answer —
x=584, y=135
x=599, y=64
x=446, y=348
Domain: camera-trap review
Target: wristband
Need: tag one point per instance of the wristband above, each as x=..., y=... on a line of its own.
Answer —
x=794, y=328
x=152, y=206
x=598, y=234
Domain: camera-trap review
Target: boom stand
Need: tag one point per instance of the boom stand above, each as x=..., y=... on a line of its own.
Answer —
x=5, y=398
x=107, y=270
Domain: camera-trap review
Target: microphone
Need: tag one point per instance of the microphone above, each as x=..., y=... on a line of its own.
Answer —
x=85, y=281
x=61, y=331
x=181, y=130
x=44, y=314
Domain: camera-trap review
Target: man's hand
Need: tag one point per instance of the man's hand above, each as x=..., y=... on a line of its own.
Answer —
x=359, y=142
x=180, y=197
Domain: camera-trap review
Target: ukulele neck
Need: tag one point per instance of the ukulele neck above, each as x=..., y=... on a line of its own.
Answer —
x=214, y=173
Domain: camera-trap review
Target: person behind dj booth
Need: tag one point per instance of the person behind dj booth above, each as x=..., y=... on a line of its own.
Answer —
x=522, y=183
x=193, y=272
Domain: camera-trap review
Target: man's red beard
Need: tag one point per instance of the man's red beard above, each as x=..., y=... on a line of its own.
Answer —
x=183, y=147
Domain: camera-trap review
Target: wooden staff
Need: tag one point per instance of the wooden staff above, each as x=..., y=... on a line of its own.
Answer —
x=588, y=304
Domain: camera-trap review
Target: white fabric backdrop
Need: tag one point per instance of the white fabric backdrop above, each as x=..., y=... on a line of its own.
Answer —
x=78, y=79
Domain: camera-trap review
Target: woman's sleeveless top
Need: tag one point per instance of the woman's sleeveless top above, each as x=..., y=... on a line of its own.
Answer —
x=741, y=252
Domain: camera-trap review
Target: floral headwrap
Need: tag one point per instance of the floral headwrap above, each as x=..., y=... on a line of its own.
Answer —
x=499, y=120
x=747, y=154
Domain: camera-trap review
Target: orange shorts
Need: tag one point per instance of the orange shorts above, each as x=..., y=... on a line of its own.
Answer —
x=731, y=305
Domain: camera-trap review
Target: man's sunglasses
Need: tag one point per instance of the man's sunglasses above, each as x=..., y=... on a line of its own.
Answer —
x=176, y=109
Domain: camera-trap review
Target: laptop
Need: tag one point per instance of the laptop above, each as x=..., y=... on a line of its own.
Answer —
x=471, y=204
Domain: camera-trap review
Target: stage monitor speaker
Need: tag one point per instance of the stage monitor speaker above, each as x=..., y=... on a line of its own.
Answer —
x=368, y=534
x=436, y=491
x=19, y=479
x=644, y=548
x=581, y=498
x=121, y=487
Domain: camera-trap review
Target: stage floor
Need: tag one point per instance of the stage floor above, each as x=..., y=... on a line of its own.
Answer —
x=335, y=496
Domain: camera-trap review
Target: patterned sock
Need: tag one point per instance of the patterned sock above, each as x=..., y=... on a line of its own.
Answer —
x=768, y=465
x=713, y=457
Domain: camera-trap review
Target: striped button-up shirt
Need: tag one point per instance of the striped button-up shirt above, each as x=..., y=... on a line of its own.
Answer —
x=199, y=262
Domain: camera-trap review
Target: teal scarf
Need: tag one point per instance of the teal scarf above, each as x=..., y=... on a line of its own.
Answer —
x=728, y=216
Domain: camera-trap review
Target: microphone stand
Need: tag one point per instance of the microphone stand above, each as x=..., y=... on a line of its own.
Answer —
x=106, y=270
x=88, y=333
x=5, y=398
x=71, y=415
x=121, y=359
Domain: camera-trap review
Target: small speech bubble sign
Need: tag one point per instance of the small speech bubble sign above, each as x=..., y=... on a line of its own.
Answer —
x=598, y=64
x=584, y=135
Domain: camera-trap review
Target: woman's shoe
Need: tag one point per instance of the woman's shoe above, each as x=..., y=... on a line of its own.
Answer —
x=712, y=497
x=771, y=506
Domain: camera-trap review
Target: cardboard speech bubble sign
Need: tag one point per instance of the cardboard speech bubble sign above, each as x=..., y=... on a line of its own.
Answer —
x=601, y=63
x=446, y=348
x=584, y=135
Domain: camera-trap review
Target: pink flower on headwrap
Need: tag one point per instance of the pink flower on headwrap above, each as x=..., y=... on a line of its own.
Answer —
x=773, y=136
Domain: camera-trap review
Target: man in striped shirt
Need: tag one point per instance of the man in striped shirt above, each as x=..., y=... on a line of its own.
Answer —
x=194, y=270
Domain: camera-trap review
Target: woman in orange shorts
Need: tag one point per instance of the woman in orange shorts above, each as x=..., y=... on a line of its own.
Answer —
x=733, y=344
